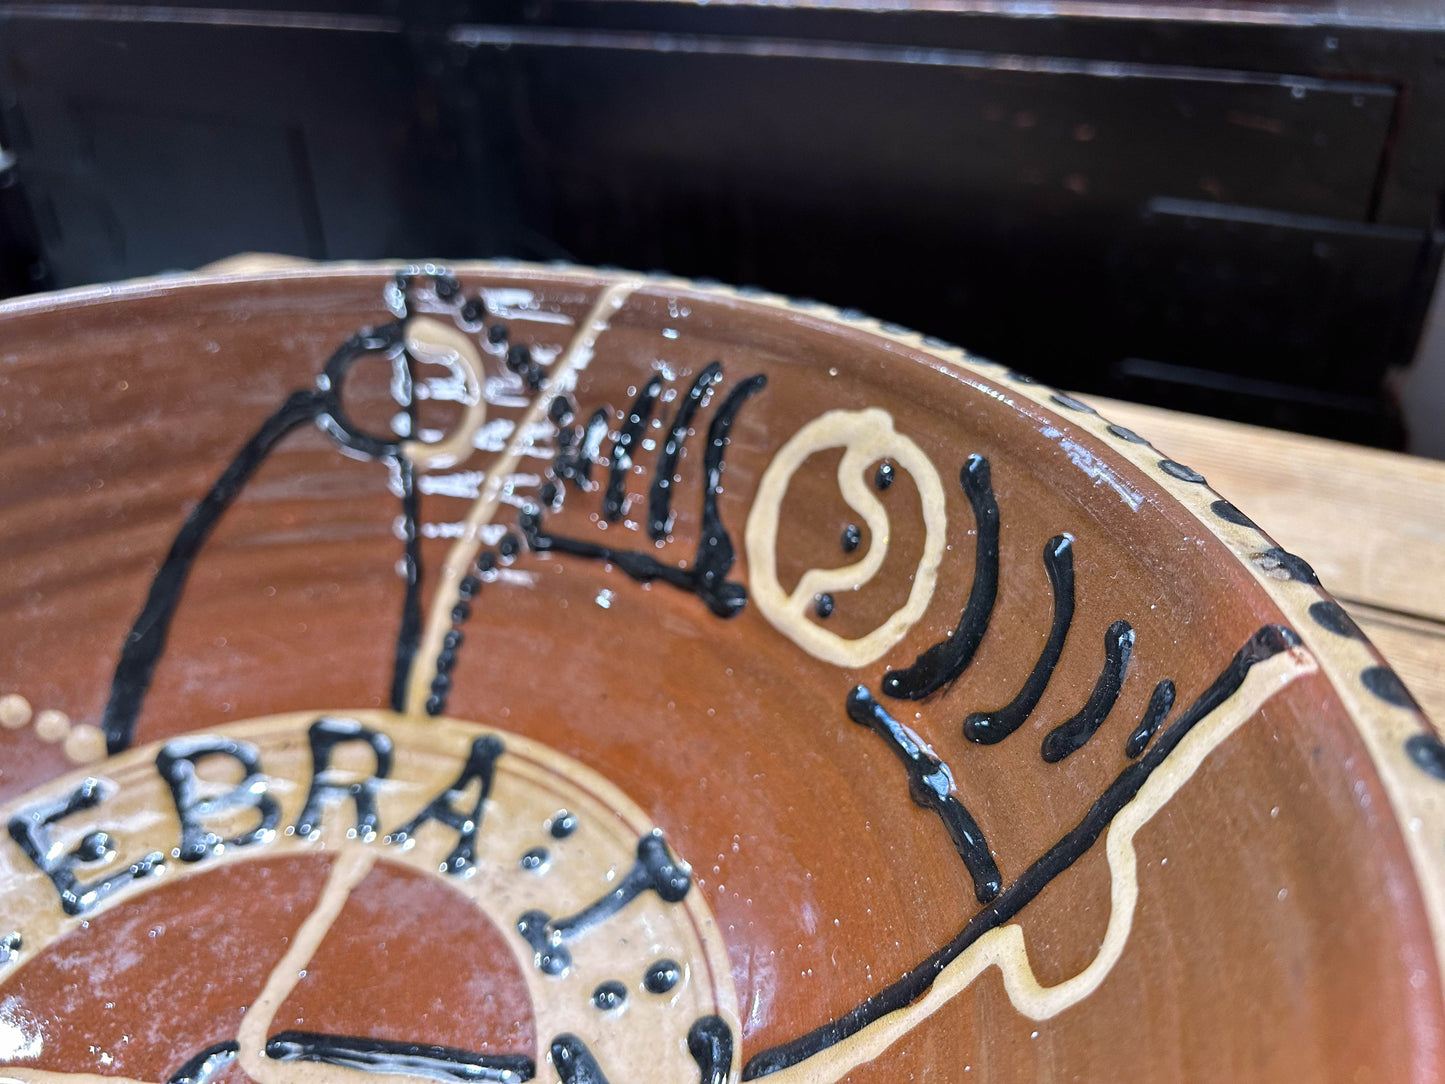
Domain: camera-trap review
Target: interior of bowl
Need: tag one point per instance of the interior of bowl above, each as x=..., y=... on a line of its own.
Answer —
x=600, y=674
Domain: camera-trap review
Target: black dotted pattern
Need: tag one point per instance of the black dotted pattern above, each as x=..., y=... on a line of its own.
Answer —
x=1328, y=614
x=1385, y=684
x=1127, y=434
x=1180, y=471
x=609, y=995
x=1428, y=753
x=662, y=976
x=1230, y=514
x=1070, y=403
x=1297, y=568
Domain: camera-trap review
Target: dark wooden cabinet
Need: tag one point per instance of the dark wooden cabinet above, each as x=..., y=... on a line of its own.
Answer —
x=1229, y=208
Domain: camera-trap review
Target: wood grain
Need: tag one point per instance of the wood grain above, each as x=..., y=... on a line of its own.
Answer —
x=1372, y=523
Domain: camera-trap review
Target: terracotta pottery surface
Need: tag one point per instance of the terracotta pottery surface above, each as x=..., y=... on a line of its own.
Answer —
x=507, y=673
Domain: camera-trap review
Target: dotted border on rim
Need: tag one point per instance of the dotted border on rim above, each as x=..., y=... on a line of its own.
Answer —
x=1406, y=751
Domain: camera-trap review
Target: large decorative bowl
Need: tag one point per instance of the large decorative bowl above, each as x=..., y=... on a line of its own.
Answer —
x=498, y=672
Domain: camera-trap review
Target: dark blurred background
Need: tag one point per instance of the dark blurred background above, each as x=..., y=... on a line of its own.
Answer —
x=1225, y=208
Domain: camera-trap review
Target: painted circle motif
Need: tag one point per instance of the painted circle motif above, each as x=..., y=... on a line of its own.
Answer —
x=866, y=436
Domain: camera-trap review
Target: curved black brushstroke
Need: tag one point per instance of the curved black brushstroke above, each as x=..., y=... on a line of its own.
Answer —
x=1070, y=736
x=707, y=575
x=715, y=548
x=931, y=786
x=614, y=501
x=659, y=519
x=942, y=663
x=146, y=640
x=710, y=1042
x=389, y=1057
x=577, y=448
x=206, y=1064
x=1160, y=701
x=574, y=1062
x=147, y=637
x=655, y=870
x=1269, y=641
x=991, y=727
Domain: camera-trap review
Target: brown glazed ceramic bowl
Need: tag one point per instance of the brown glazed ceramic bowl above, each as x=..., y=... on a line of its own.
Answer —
x=510, y=673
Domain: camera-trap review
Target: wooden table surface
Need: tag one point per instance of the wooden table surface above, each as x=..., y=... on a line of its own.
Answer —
x=1372, y=523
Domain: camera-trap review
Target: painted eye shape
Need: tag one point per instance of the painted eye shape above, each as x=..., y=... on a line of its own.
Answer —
x=866, y=437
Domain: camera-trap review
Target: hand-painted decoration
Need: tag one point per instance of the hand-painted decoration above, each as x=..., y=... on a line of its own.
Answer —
x=625, y=967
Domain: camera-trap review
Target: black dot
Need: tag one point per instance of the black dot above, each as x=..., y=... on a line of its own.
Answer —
x=1331, y=615
x=559, y=410
x=453, y=639
x=609, y=995
x=469, y=587
x=1230, y=514
x=1180, y=471
x=823, y=605
x=1428, y=753
x=1297, y=568
x=460, y=612
x=1073, y=404
x=535, y=860
x=1022, y=378
x=662, y=976
x=518, y=357
x=445, y=661
x=441, y=684
x=562, y=825
x=548, y=493
x=884, y=478
x=497, y=334
x=473, y=311
x=509, y=545
x=535, y=376
x=1127, y=434
x=434, y=705
x=1384, y=683
x=447, y=287
x=487, y=561
x=852, y=538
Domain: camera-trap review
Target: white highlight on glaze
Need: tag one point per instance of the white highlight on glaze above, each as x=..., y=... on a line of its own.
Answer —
x=436, y=343
x=1005, y=947
x=1095, y=468
x=517, y=303
x=866, y=437
x=560, y=378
